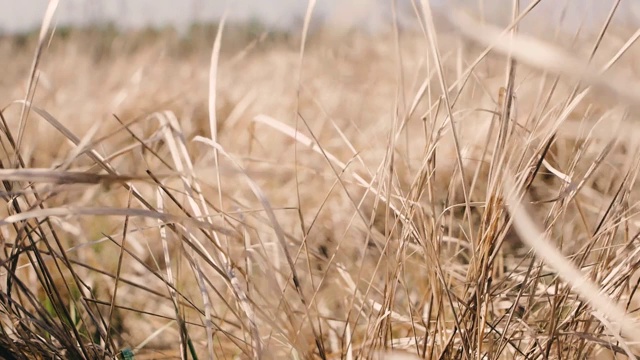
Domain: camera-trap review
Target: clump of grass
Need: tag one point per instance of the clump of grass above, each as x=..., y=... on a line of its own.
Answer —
x=456, y=194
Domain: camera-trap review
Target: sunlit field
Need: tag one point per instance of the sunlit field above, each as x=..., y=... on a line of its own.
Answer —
x=451, y=190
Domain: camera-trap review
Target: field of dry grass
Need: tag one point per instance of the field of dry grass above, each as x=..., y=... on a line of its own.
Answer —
x=447, y=194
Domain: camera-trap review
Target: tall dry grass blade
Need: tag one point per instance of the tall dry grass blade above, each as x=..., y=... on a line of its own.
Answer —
x=118, y=273
x=36, y=175
x=213, y=78
x=110, y=211
x=603, y=31
x=435, y=52
x=311, y=5
x=33, y=73
x=598, y=41
x=623, y=50
x=315, y=328
x=170, y=278
x=213, y=128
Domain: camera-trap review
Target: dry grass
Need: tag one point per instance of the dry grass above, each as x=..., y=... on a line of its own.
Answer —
x=452, y=194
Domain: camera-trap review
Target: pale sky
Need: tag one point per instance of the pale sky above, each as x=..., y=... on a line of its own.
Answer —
x=24, y=15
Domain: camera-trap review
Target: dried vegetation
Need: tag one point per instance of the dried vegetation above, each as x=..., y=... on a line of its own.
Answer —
x=450, y=193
